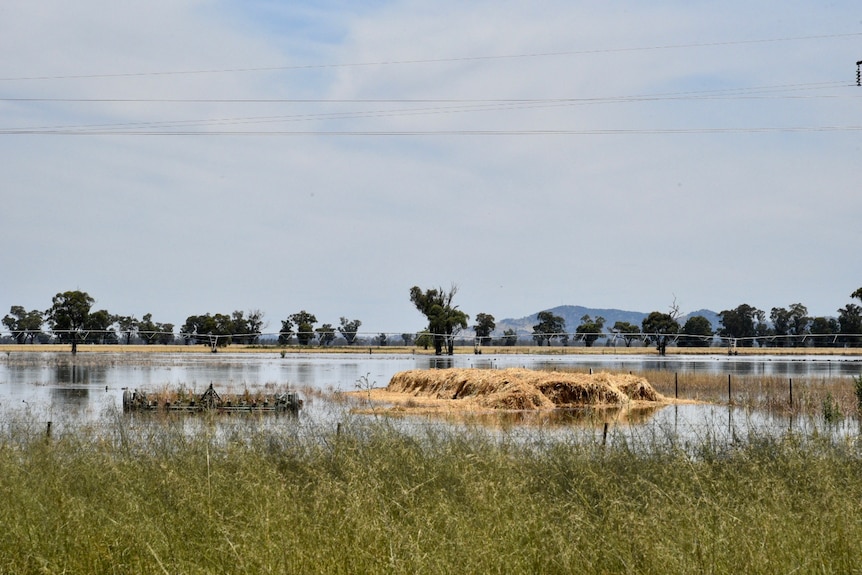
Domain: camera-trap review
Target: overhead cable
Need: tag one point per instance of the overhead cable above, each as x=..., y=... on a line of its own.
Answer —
x=431, y=60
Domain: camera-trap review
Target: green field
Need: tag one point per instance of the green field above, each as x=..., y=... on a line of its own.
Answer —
x=158, y=495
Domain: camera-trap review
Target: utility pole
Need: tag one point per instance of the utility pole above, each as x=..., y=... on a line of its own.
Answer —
x=859, y=73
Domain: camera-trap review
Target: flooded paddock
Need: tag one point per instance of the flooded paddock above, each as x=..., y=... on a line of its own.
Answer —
x=55, y=386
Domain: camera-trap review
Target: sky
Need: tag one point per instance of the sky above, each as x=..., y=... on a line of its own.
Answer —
x=183, y=157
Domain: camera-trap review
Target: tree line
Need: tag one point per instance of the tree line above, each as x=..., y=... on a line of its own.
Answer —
x=71, y=319
x=742, y=326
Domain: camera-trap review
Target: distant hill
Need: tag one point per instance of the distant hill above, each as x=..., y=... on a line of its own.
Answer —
x=572, y=314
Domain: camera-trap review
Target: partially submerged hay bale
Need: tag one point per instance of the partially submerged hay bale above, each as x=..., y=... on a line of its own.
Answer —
x=522, y=388
x=491, y=388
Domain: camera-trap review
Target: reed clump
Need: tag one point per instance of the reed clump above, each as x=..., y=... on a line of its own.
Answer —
x=151, y=495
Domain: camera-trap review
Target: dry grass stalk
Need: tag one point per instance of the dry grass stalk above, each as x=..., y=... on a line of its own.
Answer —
x=768, y=392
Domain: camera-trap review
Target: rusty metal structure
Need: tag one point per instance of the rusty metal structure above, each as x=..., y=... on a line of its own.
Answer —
x=210, y=400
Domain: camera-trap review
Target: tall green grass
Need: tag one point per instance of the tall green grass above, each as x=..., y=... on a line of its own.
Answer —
x=172, y=495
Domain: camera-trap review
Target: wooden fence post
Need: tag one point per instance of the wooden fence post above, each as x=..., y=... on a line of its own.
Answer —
x=791, y=393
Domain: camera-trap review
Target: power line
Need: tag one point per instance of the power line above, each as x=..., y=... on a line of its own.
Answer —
x=432, y=60
x=463, y=106
x=699, y=94
x=438, y=133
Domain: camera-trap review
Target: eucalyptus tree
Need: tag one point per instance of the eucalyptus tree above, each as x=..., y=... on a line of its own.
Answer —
x=590, y=329
x=165, y=333
x=246, y=328
x=445, y=320
x=325, y=334
x=239, y=328
x=510, y=337
x=22, y=324
x=155, y=332
x=743, y=323
x=423, y=339
x=485, y=324
x=850, y=322
x=97, y=327
x=697, y=332
x=627, y=331
x=68, y=316
x=825, y=330
x=304, y=323
x=214, y=330
x=255, y=324
x=659, y=328
x=146, y=329
x=127, y=326
x=790, y=324
x=349, y=329
x=550, y=327
x=286, y=332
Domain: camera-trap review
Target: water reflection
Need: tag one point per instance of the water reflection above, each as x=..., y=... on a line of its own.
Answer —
x=70, y=397
x=585, y=417
x=441, y=362
x=84, y=374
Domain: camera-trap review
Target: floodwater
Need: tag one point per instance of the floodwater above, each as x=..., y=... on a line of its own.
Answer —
x=57, y=386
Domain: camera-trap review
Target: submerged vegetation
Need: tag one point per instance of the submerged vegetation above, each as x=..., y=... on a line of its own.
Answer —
x=152, y=495
x=776, y=395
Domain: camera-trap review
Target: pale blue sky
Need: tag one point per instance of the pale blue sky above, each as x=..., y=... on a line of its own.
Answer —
x=708, y=152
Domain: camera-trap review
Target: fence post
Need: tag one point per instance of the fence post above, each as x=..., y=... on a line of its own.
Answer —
x=791, y=393
x=728, y=389
x=676, y=385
